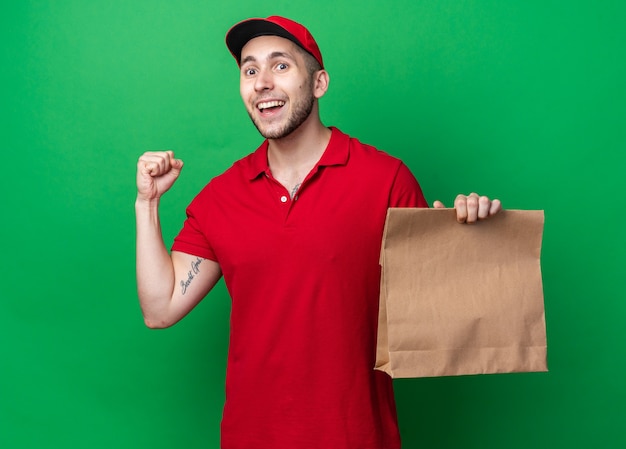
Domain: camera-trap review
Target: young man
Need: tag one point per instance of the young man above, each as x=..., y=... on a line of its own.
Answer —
x=295, y=228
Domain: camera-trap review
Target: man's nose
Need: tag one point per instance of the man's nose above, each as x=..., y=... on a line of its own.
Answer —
x=264, y=80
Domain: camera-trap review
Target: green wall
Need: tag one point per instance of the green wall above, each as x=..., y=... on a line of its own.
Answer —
x=523, y=100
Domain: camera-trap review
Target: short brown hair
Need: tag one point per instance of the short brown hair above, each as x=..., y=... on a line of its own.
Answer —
x=312, y=65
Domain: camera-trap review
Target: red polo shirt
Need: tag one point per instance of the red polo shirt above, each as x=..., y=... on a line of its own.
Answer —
x=303, y=275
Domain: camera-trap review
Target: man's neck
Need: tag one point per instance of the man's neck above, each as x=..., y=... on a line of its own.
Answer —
x=302, y=148
x=291, y=158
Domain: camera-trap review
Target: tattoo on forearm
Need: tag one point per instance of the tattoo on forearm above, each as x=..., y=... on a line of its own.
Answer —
x=191, y=274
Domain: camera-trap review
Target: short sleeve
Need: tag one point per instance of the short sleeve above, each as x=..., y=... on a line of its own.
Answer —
x=191, y=239
x=406, y=191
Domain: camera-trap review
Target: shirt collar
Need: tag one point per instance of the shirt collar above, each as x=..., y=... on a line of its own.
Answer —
x=336, y=153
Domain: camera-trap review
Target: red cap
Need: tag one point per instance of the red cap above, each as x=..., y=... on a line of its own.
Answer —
x=242, y=32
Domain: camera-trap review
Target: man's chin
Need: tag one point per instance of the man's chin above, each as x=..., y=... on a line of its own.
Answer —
x=269, y=132
x=284, y=129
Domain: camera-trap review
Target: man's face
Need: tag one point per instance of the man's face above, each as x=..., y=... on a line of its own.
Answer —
x=275, y=86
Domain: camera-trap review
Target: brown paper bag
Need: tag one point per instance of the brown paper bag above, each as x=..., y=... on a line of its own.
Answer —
x=461, y=299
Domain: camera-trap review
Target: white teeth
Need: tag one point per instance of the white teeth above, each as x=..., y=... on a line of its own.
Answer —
x=270, y=104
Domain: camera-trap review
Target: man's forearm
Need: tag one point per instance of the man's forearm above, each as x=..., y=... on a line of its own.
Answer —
x=155, y=270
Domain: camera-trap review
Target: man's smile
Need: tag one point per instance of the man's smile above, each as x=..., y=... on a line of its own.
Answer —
x=270, y=105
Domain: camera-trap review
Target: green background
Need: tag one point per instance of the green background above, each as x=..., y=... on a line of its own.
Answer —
x=521, y=100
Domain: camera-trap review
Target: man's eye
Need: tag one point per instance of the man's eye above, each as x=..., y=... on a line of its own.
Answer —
x=250, y=72
x=282, y=66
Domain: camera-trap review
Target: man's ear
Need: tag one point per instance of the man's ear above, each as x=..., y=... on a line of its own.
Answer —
x=321, y=79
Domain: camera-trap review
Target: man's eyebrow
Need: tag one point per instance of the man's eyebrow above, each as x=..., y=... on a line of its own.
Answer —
x=247, y=59
x=273, y=55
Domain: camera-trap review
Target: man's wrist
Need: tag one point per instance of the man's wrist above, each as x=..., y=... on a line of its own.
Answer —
x=143, y=203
